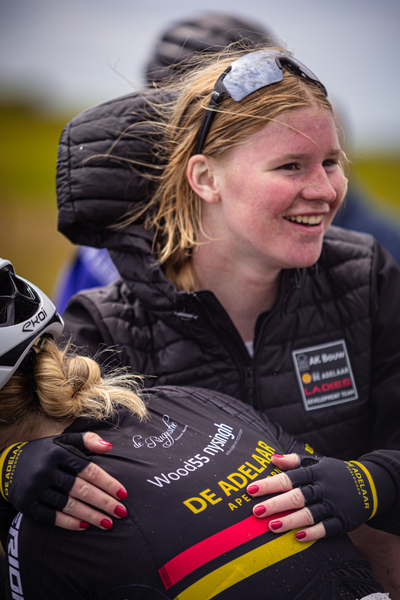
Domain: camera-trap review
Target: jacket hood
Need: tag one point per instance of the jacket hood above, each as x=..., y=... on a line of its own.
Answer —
x=97, y=182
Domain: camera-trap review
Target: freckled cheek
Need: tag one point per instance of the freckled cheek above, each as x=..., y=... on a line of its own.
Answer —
x=261, y=213
x=238, y=179
x=257, y=202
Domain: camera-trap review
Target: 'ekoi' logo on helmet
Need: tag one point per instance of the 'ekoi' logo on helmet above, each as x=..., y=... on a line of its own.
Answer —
x=30, y=325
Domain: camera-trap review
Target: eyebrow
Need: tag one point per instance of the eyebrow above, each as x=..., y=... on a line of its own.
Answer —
x=290, y=156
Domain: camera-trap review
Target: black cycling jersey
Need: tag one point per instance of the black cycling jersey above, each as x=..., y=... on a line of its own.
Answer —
x=190, y=533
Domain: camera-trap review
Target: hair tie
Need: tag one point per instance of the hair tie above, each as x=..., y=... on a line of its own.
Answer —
x=78, y=385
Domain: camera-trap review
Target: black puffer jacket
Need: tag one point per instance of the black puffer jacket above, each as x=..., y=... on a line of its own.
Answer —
x=326, y=359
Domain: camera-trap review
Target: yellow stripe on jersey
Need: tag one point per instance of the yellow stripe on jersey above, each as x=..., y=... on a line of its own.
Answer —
x=246, y=565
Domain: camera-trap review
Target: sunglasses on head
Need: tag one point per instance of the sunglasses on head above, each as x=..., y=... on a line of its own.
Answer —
x=248, y=74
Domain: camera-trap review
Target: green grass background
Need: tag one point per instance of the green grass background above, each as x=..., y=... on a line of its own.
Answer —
x=28, y=229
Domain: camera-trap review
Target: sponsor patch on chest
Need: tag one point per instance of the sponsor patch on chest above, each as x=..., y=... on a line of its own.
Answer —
x=324, y=375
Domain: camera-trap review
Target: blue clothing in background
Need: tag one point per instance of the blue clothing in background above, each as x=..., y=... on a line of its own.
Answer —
x=358, y=214
x=90, y=267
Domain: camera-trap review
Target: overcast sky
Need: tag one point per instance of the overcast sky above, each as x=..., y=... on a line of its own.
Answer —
x=72, y=54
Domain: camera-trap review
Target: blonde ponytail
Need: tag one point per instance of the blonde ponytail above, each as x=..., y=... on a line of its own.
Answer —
x=65, y=386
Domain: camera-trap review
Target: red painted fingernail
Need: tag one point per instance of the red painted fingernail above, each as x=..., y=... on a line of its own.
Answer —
x=277, y=455
x=276, y=525
x=120, y=511
x=259, y=510
x=104, y=443
x=121, y=494
x=84, y=525
x=106, y=523
x=300, y=535
x=253, y=489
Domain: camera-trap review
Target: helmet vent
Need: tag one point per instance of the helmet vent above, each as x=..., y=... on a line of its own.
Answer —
x=6, y=285
x=23, y=310
x=24, y=289
x=3, y=314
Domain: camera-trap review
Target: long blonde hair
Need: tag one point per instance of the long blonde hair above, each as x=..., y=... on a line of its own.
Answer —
x=175, y=209
x=63, y=386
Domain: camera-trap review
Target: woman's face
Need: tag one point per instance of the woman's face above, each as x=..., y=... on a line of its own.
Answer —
x=278, y=192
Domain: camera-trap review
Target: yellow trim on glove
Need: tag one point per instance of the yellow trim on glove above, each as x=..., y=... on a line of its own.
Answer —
x=4, y=457
x=372, y=486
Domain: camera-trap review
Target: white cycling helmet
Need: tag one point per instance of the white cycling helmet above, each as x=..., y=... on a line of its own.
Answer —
x=26, y=313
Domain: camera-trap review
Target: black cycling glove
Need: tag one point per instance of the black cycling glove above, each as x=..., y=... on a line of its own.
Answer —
x=343, y=494
x=36, y=476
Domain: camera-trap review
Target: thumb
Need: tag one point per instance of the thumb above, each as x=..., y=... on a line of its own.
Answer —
x=95, y=443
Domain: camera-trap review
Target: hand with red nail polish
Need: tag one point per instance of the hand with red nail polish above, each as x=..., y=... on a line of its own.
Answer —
x=285, y=508
x=93, y=489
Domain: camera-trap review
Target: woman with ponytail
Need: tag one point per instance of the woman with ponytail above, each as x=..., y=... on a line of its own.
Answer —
x=43, y=389
x=189, y=457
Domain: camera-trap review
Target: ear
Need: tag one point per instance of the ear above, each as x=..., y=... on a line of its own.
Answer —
x=202, y=178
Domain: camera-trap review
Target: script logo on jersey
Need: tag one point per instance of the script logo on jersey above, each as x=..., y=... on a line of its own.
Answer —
x=324, y=375
x=165, y=438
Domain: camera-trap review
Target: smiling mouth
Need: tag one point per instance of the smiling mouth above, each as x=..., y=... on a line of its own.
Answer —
x=306, y=220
